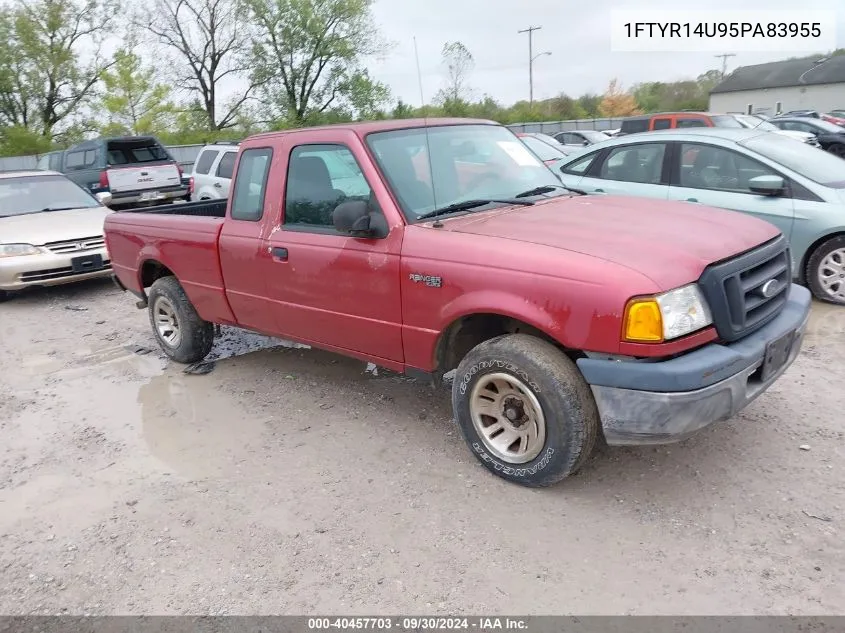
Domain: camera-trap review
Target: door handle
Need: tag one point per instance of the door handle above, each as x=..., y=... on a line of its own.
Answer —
x=692, y=199
x=218, y=185
x=279, y=253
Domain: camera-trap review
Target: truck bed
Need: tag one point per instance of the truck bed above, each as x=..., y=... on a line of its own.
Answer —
x=180, y=237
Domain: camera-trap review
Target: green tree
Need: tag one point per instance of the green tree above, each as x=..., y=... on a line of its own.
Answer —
x=134, y=101
x=309, y=56
x=50, y=61
x=590, y=104
x=208, y=41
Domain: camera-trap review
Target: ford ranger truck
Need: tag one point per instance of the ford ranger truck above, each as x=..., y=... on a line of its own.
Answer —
x=432, y=246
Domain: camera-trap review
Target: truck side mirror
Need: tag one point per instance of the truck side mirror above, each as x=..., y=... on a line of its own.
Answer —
x=352, y=217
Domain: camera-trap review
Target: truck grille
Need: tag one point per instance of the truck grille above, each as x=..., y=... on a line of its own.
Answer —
x=748, y=291
x=73, y=246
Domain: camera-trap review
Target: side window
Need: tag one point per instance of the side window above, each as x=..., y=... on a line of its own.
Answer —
x=641, y=163
x=580, y=166
x=568, y=139
x=662, y=124
x=75, y=160
x=632, y=126
x=320, y=177
x=711, y=167
x=226, y=166
x=251, y=184
x=691, y=123
x=204, y=162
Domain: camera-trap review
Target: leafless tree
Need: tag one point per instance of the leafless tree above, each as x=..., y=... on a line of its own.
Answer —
x=209, y=39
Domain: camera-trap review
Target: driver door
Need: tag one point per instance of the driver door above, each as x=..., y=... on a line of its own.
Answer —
x=326, y=287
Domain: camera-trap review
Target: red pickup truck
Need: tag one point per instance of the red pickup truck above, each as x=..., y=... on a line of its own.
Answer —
x=439, y=245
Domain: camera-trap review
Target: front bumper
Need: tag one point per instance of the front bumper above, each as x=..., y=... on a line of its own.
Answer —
x=49, y=269
x=667, y=401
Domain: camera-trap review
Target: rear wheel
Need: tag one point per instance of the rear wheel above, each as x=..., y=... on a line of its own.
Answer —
x=180, y=331
x=3, y=296
x=524, y=410
x=825, y=272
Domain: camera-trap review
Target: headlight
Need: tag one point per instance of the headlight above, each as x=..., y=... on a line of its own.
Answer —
x=666, y=316
x=15, y=250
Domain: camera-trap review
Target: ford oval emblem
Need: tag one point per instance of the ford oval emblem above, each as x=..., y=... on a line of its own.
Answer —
x=769, y=288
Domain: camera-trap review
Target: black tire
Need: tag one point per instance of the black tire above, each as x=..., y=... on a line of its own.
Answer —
x=811, y=274
x=837, y=149
x=196, y=336
x=571, y=416
x=3, y=296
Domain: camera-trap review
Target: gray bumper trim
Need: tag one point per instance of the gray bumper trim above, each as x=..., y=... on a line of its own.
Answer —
x=705, y=366
x=631, y=416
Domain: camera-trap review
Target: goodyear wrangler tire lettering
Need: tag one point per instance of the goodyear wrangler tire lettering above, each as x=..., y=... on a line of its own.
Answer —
x=567, y=409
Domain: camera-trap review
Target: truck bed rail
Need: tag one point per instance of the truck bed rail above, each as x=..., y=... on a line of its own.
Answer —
x=207, y=208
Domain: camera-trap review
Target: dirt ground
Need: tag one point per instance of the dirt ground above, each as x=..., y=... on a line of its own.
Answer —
x=289, y=480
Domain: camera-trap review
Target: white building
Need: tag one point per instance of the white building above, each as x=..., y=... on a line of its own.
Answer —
x=796, y=84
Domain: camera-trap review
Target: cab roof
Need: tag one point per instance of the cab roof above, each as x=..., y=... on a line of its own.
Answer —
x=367, y=127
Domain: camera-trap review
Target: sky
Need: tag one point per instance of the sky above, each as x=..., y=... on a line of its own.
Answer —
x=577, y=34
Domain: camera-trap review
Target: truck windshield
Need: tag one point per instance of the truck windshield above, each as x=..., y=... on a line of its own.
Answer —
x=435, y=167
x=40, y=194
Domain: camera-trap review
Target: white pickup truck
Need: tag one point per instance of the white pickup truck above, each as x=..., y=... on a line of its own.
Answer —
x=135, y=170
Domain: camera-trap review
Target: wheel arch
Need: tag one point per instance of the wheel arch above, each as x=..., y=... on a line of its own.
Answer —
x=808, y=253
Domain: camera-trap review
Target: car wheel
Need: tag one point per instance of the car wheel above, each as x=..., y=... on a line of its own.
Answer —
x=180, y=331
x=825, y=272
x=524, y=410
x=3, y=296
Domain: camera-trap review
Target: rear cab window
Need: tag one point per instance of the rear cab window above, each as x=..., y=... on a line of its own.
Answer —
x=687, y=122
x=135, y=150
x=662, y=123
x=632, y=126
x=251, y=184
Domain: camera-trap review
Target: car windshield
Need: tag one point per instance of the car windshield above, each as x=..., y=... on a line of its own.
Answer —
x=754, y=123
x=827, y=126
x=724, y=120
x=808, y=161
x=593, y=137
x=541, y=148
x=20, y=195
x=434, y=167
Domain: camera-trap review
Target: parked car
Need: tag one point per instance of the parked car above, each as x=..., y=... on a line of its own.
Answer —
x=613, y=132
x=800, y=113
x=581, y=138
x=51, y=231
x=134, y=169
x=213, y=170
x=830, y=137
x=547, y=151
x=672, y=120
x=543, y=302
x=838, y=113
x=754, y=122
x=833, y=118
x=798, y=188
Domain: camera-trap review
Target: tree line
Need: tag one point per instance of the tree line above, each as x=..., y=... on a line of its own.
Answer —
x=294, y=63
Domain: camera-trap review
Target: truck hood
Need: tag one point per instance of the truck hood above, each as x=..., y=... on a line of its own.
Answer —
x=53, y=226
x=669, y=242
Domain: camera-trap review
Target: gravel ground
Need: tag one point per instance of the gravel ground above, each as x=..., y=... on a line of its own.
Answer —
x=289, y=480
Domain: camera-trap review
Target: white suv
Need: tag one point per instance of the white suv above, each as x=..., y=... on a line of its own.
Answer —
x=212, y=172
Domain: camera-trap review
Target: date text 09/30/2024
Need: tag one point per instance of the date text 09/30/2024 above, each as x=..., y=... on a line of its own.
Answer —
x=418, y=623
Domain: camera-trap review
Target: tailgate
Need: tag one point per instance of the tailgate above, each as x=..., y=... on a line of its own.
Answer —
x=124, y=179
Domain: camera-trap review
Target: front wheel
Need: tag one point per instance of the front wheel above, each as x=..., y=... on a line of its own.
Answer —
x=180, y=331
x=825, y=272
x=524, y=410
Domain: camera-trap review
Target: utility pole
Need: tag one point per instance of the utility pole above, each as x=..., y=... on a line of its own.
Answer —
x=530, y=30
x=724, y=59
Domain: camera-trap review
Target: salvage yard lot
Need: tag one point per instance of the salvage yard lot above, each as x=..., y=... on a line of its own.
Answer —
x=293, y=481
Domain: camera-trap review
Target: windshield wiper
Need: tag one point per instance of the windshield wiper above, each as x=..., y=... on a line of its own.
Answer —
x=547, y=189
x=466, y=205
x=48, y=209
